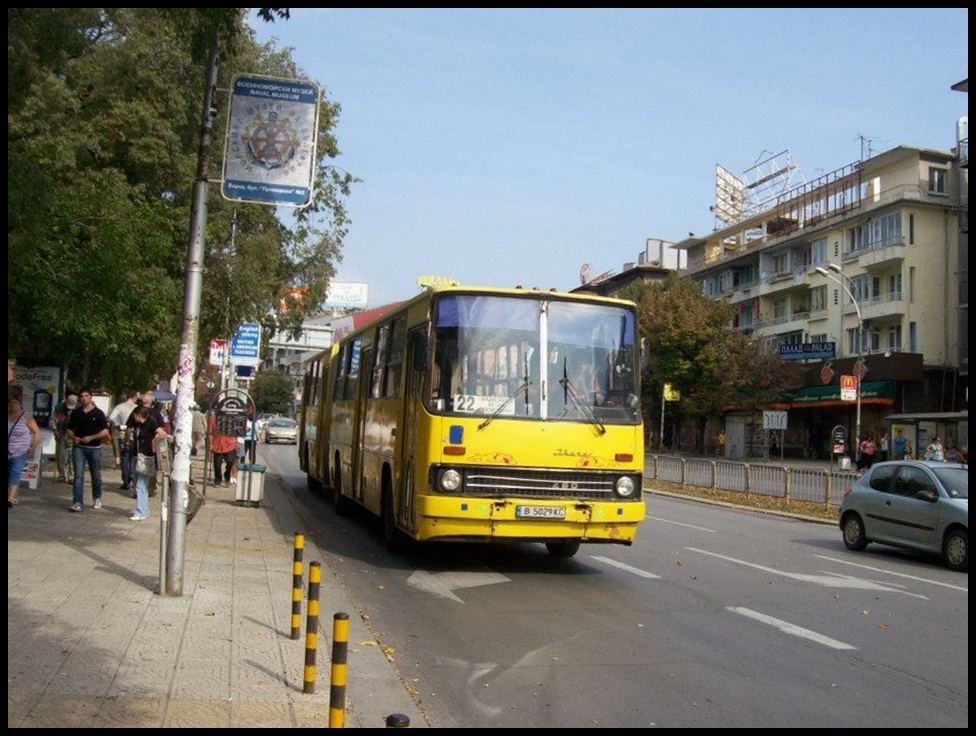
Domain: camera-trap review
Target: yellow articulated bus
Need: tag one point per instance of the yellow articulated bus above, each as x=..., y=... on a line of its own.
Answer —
x=477, y=414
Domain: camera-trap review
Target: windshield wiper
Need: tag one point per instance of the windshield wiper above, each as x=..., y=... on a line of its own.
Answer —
x=580, y=402
x=524, y=388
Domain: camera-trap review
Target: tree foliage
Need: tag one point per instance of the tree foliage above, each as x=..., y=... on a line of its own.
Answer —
x=103, y=131
x=273, y=392
x=690, y=345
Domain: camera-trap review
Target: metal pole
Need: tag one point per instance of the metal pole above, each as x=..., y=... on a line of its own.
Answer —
x=859, y=372
x=859, y=365
x=186, y=367
x=660, y=437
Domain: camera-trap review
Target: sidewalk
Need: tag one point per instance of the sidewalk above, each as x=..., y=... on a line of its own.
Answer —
x=91, y=644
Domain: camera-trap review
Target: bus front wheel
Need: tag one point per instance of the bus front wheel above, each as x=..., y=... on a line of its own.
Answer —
x=563, y=548
x=393, y=537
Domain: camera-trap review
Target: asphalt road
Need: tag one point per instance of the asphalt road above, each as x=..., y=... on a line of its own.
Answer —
x=716, y=617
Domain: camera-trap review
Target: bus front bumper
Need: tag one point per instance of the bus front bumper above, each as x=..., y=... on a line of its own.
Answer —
x=465, y=518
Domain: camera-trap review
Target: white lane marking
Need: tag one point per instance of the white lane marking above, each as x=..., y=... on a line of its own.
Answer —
x=827, y=581
x=792, y=629
x=628, y=568
x=679, y=523
x=444, y=583
x=893, y=574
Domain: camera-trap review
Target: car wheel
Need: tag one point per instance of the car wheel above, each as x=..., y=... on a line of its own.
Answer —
x=564, y=548
x=955, y=550
x=853, y=530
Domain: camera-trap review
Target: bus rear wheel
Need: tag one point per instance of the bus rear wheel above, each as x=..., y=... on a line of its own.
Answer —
x=563, y=548
x=339, y=502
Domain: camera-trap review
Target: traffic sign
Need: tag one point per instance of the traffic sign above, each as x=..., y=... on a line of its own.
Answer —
x=848, y=388
x=245, y=346
x=218, y=349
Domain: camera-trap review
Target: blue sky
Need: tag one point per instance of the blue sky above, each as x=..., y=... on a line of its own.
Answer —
x=511, y=146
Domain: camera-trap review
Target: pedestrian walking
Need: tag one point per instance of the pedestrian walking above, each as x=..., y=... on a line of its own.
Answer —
x=62, y=443
x=117, y=420
x=720, y=447
x=145, y=432
x=87, y=428
x=23, y=437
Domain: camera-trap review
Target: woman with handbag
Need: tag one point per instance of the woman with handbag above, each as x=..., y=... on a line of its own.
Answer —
x=145, y=430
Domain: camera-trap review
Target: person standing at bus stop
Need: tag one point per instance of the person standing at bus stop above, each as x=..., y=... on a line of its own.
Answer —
x=868, y=449
x=223, y=450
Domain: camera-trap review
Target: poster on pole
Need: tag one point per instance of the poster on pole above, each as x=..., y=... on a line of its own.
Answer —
x=269, y=154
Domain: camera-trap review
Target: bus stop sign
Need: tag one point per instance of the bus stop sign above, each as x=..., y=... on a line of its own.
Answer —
x=231, y=412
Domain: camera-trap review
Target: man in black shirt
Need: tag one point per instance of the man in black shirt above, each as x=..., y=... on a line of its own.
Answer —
x=87, y=428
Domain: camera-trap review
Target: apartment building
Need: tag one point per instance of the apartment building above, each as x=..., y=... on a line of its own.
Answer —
x=861, y=272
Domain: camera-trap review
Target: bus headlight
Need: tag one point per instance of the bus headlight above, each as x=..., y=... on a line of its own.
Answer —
x=625, y=487
x=450, y=480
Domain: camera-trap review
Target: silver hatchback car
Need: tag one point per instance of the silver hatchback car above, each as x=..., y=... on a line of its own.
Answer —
x=281, y=429
x=920, y=505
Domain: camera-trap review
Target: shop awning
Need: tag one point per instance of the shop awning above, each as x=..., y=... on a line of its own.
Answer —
x=872, y=392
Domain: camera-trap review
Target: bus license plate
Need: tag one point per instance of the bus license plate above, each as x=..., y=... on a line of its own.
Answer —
x=540, y=512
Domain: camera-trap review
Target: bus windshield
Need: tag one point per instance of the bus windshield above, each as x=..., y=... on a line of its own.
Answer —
x=534, y=358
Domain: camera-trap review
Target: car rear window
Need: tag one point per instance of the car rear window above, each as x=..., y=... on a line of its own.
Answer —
x=881, y=477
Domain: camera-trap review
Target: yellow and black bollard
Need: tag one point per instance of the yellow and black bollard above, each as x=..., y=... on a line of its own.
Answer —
x=312, y=626
x=340, y=651
x=296, y=587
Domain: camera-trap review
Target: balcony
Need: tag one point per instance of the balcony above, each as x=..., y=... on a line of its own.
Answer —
x=884, y=254
x=885, y=306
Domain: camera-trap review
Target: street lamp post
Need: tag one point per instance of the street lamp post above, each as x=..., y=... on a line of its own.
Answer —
x=829, y=272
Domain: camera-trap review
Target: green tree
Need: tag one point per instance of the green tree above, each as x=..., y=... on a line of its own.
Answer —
x=273, y=392
x=103, y=118
x=691, y=345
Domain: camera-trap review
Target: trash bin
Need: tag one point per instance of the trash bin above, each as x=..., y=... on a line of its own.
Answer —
x=250, y=484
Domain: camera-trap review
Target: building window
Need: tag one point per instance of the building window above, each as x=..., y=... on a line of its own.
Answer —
x=885, y=230
x=913, y=337
x=938, y=181
x=866, y=287
x=780, y=308
x=820, y=337
x=894, y=286
x=911, y=229
x=894, y=337
x=855, y=239
x=818, y=299
x=781, y=263
x=818, y=251
x=870, y=340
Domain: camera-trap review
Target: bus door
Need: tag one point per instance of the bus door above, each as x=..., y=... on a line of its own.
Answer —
x=359, y=424
x=406, y=443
